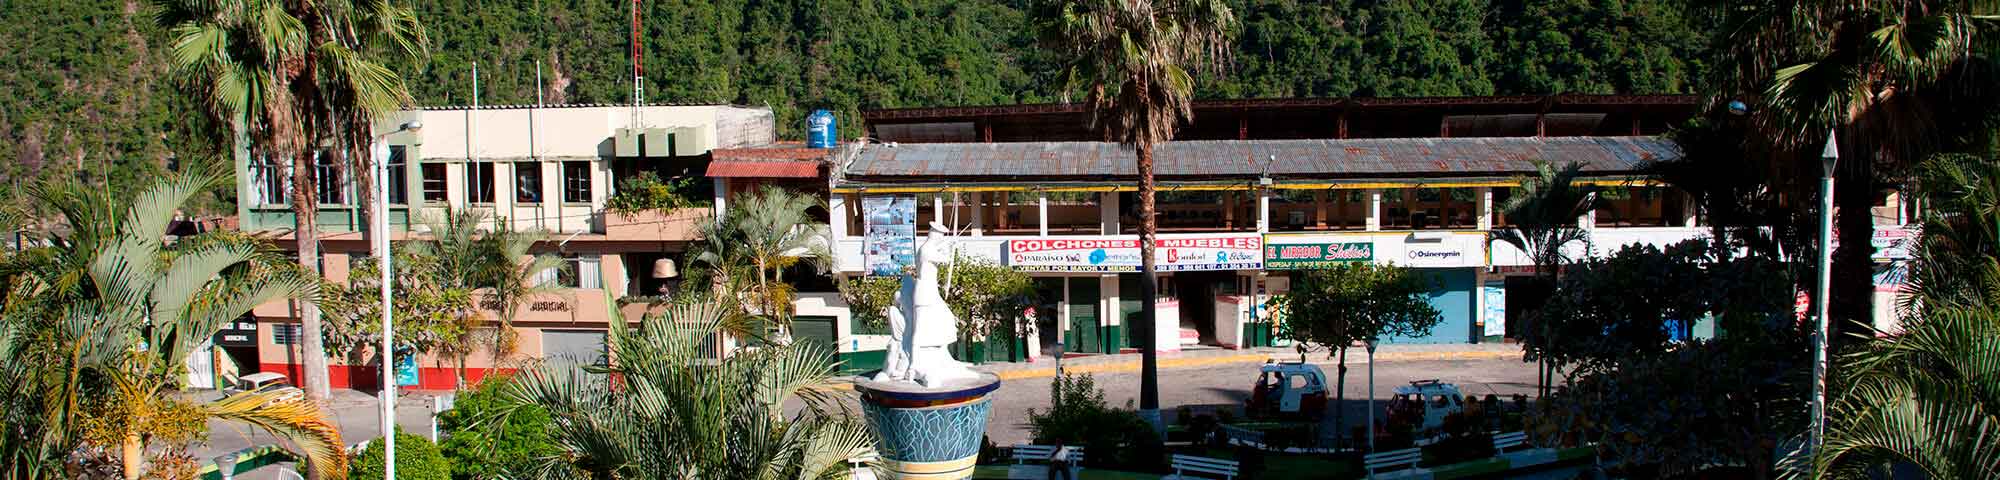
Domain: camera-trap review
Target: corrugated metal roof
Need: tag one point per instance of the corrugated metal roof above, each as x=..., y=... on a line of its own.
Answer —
x=1347, y=158
x=762, y=169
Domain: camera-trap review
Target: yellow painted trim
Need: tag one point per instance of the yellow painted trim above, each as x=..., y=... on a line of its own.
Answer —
x=948, y=469
x=1362, y=233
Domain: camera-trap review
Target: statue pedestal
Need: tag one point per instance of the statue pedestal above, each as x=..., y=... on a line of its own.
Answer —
x=928, y=433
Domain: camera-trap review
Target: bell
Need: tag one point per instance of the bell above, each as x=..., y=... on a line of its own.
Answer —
x=664, y=268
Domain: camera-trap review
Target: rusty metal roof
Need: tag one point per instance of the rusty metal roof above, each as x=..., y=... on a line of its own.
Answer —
x=763, y=169
x=1215, y=159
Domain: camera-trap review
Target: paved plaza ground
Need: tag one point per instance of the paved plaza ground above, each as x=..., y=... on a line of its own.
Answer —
x=1195, y=378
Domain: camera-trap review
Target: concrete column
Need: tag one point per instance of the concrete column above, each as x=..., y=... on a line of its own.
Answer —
x=721, y=197
x=1264, y=210
x=1485, y=196
x=1319, y=209
x=1690, y=211
x=1374, y=209
x=1107, y=213
x=836, y=209
x=937, y=210
x=979, y=213
x=1107, y=287
x=1042, y=212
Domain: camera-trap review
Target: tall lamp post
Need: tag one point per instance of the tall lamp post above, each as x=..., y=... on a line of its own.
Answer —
x=1371, y=394
x=1820, y=341
x=380, y=249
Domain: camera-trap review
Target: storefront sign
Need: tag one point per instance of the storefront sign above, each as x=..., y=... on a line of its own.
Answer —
x=1170, y=254
x=889, y=234
x=1493, y=309
x=1293, y=256
x=1433, y=256
x=1894, y=243
x=240, y=333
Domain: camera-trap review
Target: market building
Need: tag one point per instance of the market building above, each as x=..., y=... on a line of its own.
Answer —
x=547, y=168
x=1249, y=191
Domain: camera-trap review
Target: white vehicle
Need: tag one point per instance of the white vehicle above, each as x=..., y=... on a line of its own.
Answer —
x=1289, y=389
x=1425, y=403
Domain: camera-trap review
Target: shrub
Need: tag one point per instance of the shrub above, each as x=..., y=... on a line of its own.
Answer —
x=416, y=459
x=1113, y=438
x=644, y=191
x=483, y=444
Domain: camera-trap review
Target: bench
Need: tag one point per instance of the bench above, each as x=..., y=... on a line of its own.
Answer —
x=1504, y=441
x=858, y=467
x=1392, y=459
x=1045, y=453
x=1244, y=436
x=1213, y=466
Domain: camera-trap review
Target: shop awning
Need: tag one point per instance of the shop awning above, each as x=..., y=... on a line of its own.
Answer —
x=763, y=169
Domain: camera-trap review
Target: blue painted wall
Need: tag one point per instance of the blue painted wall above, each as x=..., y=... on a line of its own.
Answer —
x=1453, y=301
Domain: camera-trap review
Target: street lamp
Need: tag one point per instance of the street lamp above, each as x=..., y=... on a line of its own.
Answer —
x=1371, y=394
x=1827, y=158
x=380, y=249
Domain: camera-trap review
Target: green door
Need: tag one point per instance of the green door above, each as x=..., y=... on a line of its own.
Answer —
x=1083, y=336
x=816, y=331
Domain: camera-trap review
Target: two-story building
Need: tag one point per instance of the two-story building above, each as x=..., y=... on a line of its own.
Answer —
x=1248, y=192
x=550, y=168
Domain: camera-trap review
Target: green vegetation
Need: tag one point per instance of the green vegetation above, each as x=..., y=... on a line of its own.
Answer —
x=742, y=259
x=1332, y=308
x=91, y=92
x=97, y=328
x=416, y=459
x=1112, y=438
x=645, y=191
x=479, y=447
x=665, y=410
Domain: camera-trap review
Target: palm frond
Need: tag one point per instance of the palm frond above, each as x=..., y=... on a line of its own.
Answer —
x=292, y=418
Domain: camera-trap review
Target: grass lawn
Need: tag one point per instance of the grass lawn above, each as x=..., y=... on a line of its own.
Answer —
x=1286, y=465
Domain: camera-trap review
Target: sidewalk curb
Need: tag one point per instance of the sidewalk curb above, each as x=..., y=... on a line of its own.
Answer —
x=1185, y=363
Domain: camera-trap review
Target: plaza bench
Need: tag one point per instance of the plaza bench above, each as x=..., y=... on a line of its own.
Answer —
x=1204, y=465
x=1504, y=441
x=1392, y=459
x=1244, y=436
x=1045, y=453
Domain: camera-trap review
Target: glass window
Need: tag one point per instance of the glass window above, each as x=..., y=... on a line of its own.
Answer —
x=479, y=182
x=271, y=184
x=326, y=177
x=576, y=182
x=285, y=334
x=580, y=271
x=528, y=182
x=433, y=178
x=399, y=175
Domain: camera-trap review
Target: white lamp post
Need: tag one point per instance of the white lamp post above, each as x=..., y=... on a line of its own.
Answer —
x=380, y=249
x=1820, y=343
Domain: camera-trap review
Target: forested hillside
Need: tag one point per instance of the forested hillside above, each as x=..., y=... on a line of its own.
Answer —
x=87, y=88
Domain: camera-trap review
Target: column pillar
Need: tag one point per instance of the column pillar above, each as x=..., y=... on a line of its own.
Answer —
x=1107, y=213
x=1263, y=210
x=937, y=209
x=979, y=213
x=1691, y=211
x=836, y=210
x=721, y=197
x=1374, y=209
x=1485, y=196
x=1229, y=210
x=1042, y=212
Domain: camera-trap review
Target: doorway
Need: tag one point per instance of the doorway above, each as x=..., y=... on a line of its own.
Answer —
x=1048, y=303
x=1525, y=295
x=1196, y=292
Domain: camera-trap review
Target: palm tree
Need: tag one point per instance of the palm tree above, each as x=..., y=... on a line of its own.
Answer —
x=1897, y=81
x=460, y=254
x=1542, y=220
x=514, y=277
x=768, y=231
x=1135, y=62
x=1957, y=260
x=662, y=410
x=93, y=366
x=294, y=77
x=1928, y=398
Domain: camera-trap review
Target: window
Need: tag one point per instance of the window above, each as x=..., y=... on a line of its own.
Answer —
x=479, y=182
x=326, y=177
x=576, y=182
x=270, y=184
x=399, y=175
x=285, y=334
x=579, y=271
x=433, y=174
x=528, y=182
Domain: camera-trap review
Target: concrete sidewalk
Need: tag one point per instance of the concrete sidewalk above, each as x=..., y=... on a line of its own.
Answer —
x=1129, y=362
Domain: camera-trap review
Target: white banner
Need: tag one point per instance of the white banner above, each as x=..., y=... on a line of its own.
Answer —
x=1171, y=253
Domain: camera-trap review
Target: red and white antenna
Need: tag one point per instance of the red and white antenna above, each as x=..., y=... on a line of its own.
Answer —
x=638, y=68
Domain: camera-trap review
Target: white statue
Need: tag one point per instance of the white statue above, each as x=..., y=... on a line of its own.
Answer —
x=922, y=326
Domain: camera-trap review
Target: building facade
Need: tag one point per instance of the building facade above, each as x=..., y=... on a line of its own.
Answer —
x=551, y=169
x=1249, y=192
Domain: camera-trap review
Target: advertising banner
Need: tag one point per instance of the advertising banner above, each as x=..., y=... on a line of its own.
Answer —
x=1294, y=256
x=1493, y=303
x=1172, y=253
x=889, y=234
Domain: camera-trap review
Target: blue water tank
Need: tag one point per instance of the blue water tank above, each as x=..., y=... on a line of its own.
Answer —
x=822, y=131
